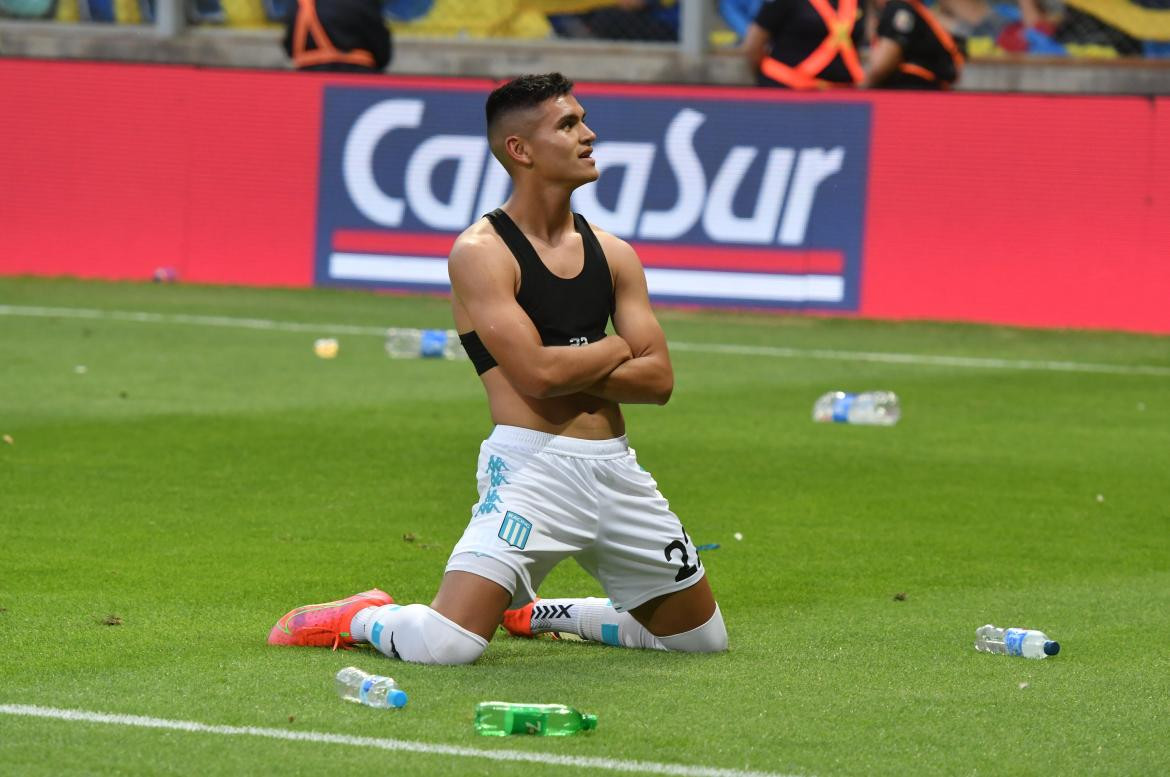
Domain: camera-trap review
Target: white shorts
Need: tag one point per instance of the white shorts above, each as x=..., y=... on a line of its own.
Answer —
x=543, y=498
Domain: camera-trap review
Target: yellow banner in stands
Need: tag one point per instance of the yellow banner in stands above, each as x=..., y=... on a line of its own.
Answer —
x=1129, y=17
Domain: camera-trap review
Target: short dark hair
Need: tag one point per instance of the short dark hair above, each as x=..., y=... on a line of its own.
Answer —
x=525, y=92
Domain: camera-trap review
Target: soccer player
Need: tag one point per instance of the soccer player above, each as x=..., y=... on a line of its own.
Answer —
x=533, y=288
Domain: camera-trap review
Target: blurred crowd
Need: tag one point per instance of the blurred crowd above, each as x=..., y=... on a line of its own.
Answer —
x=982, y=28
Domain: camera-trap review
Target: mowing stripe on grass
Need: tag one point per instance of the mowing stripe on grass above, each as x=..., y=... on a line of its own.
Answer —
x=182, y=318
x=972, y=362
x=583, y=762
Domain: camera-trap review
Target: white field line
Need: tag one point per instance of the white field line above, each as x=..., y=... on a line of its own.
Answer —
x=974, y=362
x=552, y=759
x=969, y=362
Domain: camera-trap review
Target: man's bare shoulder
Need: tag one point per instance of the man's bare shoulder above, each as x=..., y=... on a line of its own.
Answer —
x=617, y=251
x=478, y=240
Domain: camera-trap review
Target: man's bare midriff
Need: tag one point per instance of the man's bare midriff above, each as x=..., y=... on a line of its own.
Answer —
x=572, y=415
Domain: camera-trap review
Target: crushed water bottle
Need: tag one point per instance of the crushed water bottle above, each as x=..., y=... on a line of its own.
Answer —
x=1028, y=643
x=372, y=690
x=501, y=718
x=424, y=344
x=879, y=408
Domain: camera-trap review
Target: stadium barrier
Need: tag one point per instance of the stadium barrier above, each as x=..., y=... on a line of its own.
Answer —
x=1081, y=29
x=1024, y=210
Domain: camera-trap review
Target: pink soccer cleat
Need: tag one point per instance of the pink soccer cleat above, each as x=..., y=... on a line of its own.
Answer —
x=325, y=625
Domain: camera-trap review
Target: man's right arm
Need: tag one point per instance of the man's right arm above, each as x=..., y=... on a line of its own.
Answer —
x=889, y=47
x=483, y=280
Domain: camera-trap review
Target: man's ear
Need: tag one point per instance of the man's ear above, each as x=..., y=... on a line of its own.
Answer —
x=517, y=150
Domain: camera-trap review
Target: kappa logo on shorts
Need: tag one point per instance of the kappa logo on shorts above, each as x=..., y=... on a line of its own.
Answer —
x=514, y=530
x=488, y=505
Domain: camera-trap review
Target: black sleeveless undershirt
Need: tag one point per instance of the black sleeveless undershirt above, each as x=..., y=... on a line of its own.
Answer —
x=566, y=311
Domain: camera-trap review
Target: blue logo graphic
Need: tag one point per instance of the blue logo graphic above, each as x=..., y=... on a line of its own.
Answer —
x=488, y=505
x=495, y=470
x=514, y=530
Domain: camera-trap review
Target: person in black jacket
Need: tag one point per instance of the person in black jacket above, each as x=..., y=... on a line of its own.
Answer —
x=806, y=44
x=338, y=35
x=912, y=49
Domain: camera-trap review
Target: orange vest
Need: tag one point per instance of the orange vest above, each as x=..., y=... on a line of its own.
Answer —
x=839, y=40
x=325, y=53
x=944, y=38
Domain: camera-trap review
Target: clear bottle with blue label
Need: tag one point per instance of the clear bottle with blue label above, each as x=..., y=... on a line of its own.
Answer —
x=406, y=343
x=1028, y=643
x=873, y=408
x=372, y=690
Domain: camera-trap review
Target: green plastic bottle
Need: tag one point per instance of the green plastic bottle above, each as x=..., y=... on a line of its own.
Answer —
x=501, y=718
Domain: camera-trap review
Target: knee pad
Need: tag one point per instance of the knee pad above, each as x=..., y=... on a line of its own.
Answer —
x=417, y=633
x=711, y=637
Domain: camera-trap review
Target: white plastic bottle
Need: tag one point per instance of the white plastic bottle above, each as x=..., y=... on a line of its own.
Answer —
x=372, y=690
x=880, y=408
x=1028, y=643
x=405, y=343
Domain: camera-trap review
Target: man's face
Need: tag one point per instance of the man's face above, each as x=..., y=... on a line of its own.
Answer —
x=561, y=144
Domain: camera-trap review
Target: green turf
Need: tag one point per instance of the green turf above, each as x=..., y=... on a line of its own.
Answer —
x=197, y=481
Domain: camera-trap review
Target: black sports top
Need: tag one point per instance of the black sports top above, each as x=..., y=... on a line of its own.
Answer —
x=566, y=311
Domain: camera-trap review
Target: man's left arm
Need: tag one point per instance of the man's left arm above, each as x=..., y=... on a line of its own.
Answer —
x=647, y=378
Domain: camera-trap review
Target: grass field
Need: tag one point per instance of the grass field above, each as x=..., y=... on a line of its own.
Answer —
x=160, y=509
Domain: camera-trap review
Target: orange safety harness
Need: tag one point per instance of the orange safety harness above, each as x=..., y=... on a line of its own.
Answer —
x=325, y=53
x=838, y=41
x=944, y=38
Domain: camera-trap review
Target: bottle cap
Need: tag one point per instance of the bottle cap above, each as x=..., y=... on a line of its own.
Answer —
x=396, y=698
x=1051, y=648
x=588, y=721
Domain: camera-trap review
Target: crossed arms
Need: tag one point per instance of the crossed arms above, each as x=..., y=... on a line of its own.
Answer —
x=631, y=367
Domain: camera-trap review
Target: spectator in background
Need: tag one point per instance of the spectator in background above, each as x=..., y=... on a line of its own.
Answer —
x=625, y=20
x=912, y=49
x=525, y=19
x=1016, y=26
x=979, y=18
x=806, y=44
x=738, y=14
x=338, y=35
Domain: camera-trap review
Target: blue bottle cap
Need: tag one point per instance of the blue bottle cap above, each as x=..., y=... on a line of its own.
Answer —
x=432, y=342
x=396, y=698
x=1051, y=648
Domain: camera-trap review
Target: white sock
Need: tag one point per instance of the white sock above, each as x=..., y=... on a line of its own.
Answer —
x=359, y=627
x=417, y=633
x=593, y=619
x=711, y=637
x=562, y=614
